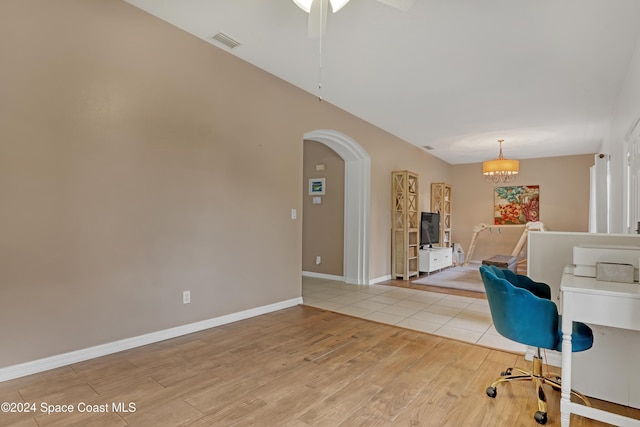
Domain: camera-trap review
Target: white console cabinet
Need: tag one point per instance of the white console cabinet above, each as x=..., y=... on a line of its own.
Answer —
x=432, y=259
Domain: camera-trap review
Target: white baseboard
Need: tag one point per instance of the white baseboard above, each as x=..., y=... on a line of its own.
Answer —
x=379, y=280
x=52, y=362
x=341, y=278
x=323, y=276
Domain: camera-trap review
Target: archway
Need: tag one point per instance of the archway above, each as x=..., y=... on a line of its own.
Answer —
x=357, y=194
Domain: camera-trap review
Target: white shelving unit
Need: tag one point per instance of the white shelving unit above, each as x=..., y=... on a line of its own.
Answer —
x=432, y=259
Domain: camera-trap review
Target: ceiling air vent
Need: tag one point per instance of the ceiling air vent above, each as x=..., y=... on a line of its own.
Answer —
x=226, y=40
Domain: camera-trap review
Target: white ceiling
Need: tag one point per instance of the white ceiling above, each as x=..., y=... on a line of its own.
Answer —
x=455, y=74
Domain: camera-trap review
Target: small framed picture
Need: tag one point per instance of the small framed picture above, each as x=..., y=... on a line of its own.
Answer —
x=317, y=186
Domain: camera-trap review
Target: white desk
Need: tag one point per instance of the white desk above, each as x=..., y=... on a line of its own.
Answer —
x=610, y=304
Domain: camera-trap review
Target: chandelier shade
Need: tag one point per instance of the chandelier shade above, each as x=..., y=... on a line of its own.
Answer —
x=500, y=169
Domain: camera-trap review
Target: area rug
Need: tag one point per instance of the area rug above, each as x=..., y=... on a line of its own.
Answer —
x=467, y=278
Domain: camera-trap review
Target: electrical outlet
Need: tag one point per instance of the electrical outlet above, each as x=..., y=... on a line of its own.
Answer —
x=186, y=297
x=318, y=259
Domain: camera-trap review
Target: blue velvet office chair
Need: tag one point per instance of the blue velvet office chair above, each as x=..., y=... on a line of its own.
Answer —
x=522, y=311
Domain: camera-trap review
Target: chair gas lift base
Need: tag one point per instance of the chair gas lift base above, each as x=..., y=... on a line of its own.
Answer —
x=522, y=311
x=539, y=379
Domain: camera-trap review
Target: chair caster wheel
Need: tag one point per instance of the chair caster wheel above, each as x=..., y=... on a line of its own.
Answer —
x=505, y=373
x=492, y=392
x=540, y=417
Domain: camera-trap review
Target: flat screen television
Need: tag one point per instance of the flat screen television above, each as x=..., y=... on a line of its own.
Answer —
x=429, y=229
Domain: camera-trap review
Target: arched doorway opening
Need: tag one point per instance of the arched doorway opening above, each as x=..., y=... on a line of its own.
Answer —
x=357, y=196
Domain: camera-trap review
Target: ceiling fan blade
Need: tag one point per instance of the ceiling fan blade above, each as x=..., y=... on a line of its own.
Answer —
x=403, y=5
x=318, y=18
x=336, y=5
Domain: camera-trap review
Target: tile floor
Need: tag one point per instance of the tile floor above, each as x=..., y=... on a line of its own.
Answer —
x=463, y=318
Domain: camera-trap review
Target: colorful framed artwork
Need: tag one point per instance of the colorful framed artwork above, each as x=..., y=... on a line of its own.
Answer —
x=516, y=205
x=317, y=186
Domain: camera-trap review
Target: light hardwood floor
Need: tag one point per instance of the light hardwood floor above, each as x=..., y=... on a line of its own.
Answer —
x=295, y=367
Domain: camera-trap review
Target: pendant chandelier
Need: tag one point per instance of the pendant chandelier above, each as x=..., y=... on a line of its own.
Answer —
x=500, y=169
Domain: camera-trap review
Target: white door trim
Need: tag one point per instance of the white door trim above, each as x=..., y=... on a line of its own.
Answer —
x=357, y=195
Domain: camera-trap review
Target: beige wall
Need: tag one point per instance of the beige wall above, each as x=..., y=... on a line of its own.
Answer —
x=387, y=159
x=130, y=173
x=137, y=161
x=564, y=201
x=323, y=224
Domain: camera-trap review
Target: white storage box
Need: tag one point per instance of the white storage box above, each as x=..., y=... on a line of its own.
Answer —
x=613, y=272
